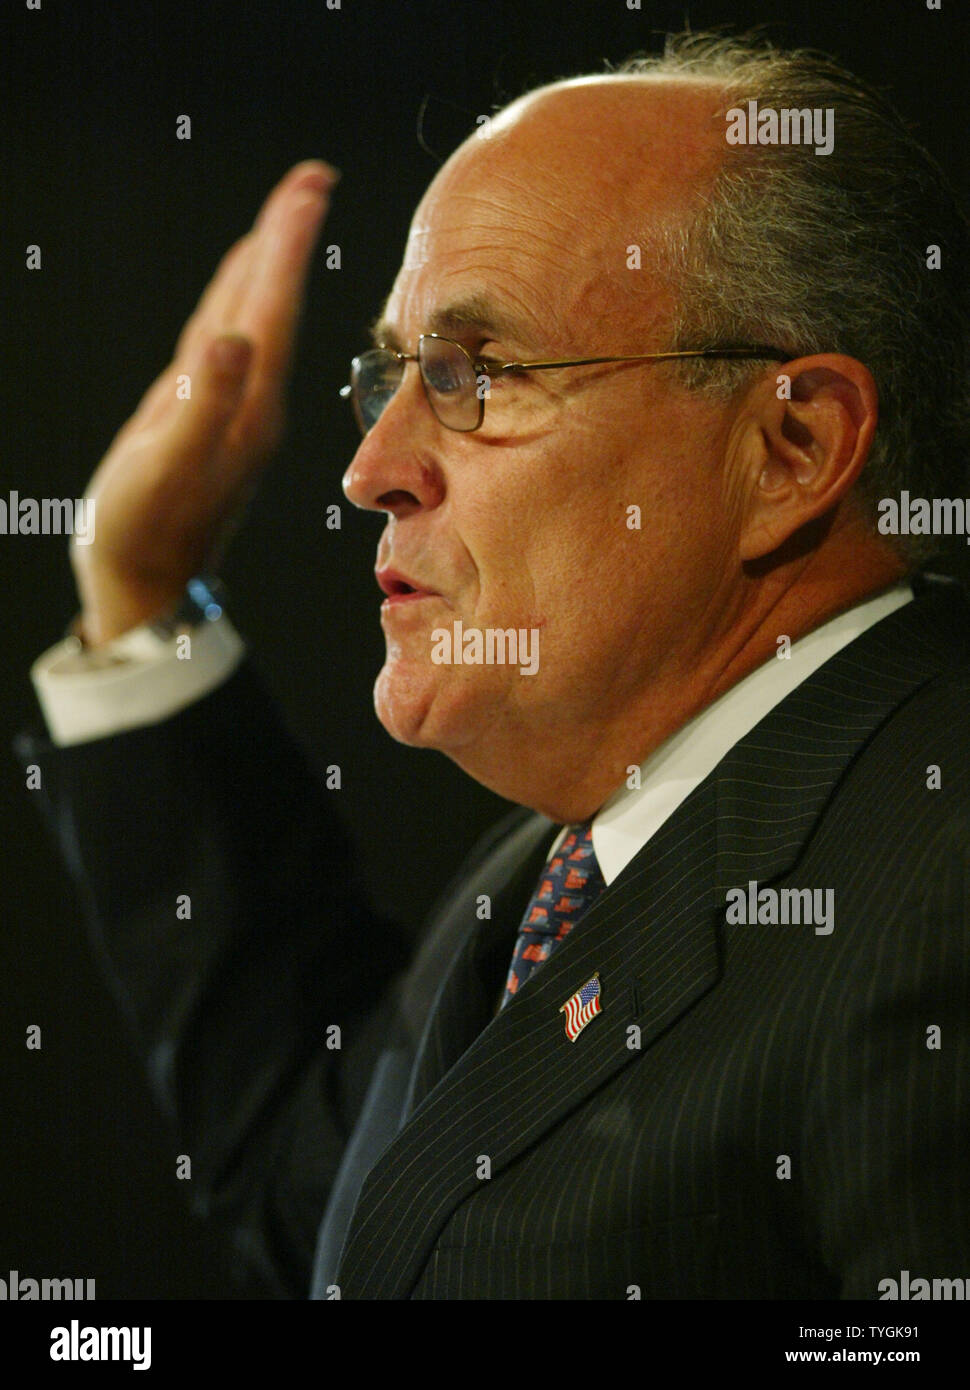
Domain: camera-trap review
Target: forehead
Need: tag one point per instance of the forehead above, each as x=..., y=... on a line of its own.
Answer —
x=534, y=221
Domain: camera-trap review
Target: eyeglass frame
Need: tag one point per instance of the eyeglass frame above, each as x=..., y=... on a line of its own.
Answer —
x=493, y=368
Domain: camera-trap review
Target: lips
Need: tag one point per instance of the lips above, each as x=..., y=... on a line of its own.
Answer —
x=402, y=588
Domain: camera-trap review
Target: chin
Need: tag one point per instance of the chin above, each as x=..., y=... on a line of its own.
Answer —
x=404, y=701
x=424, y=707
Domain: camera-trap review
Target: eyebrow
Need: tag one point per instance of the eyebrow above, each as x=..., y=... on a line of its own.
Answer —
x=471, y=313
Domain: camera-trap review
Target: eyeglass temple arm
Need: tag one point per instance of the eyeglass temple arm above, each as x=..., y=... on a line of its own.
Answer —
x=773, y=352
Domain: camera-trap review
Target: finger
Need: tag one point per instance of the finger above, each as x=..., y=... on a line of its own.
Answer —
x=282, y=236
x=208, y=321
x=270, y=311
x=219, y=305
x=215, y=305
x=305, y=185
x=246, y=262
x=274, y=300
x=198, y=427
x=311, y=175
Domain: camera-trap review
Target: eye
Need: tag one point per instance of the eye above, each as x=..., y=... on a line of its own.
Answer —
x=489, y=364
x=446, y=376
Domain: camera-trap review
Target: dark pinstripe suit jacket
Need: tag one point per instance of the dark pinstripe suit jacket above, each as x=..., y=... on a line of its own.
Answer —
x=758, y=1111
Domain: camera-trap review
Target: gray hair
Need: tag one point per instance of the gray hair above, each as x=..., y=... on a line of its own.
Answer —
x=829, y=254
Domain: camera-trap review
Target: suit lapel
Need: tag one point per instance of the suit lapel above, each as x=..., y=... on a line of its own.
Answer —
x=457, y=981
x=652, y=936
x=783, y=772
x=491, y=1104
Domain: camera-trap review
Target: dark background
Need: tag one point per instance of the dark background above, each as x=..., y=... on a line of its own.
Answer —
x=131, y=222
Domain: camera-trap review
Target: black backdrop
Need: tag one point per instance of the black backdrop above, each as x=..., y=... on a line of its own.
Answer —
x=131, y=222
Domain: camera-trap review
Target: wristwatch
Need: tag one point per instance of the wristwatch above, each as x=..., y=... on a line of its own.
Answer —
x=202, y=602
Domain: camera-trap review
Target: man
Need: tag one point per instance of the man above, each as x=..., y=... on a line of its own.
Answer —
x=708, y=1037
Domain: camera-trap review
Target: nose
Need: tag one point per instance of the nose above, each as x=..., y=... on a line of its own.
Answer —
x=395, y=469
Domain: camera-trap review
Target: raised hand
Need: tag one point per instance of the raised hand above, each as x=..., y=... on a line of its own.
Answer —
x=173, y=481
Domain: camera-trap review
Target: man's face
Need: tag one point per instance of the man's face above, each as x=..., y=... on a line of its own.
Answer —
x=529, y=523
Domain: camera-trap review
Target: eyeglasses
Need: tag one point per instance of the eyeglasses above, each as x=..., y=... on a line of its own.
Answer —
x=457, y=384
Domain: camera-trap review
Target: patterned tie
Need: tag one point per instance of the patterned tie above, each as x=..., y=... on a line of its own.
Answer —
x=569, y=883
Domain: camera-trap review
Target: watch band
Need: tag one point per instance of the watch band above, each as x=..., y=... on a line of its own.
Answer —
x=202, y=602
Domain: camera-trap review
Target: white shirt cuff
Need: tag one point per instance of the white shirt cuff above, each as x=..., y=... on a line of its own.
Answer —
x=140, y=678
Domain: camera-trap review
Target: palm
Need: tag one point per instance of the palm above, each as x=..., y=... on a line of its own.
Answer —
x=171, y=483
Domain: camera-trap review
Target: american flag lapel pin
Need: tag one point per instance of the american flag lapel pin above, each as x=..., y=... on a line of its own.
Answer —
x=581, y=1007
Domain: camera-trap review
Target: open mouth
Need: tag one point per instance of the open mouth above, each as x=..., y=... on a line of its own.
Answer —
x=399, y=589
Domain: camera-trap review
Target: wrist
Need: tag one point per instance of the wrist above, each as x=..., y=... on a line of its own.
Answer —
x=201, y=601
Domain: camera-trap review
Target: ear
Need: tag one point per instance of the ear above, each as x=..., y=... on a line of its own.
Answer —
x=799, y=456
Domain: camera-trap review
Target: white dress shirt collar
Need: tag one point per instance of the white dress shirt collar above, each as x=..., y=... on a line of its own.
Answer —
x=634, y=814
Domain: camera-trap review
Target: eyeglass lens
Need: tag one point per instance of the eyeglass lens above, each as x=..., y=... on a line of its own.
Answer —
x=374, y=378
x=450, y=382
x=448, y=375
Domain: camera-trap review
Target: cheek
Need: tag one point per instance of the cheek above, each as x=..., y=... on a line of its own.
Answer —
x=607, y=575
x=498, y=529
x=586, y=535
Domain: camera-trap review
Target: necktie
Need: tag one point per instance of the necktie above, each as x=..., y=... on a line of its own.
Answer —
x=567, y=886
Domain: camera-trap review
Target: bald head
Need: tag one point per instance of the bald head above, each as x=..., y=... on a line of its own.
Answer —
x=577, y=172
x=634, y=126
